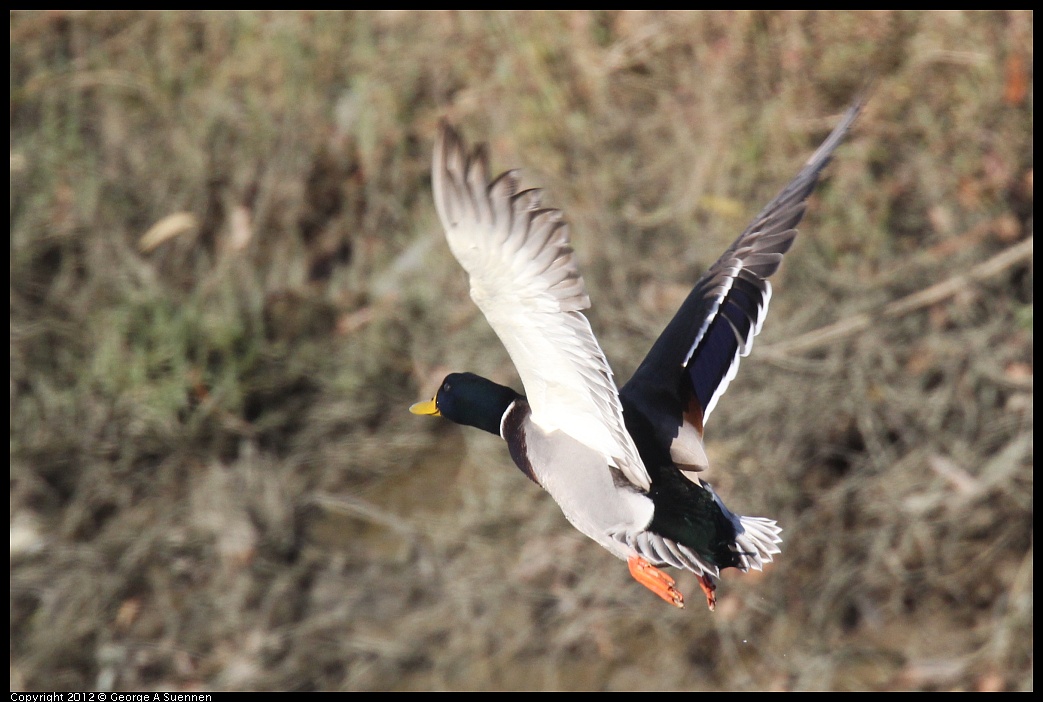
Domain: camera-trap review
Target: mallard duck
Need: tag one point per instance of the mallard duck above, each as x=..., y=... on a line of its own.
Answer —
x=624, y=465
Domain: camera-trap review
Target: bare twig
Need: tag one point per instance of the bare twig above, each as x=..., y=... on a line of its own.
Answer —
x=910, y=303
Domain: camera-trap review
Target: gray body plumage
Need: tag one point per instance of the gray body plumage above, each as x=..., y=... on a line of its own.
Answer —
x=597, y=500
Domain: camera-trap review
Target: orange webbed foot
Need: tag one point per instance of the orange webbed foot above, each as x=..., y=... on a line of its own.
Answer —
x=655, y=580
x=709, y=588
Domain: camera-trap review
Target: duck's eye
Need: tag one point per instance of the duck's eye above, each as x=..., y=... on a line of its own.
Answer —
x=446, y=387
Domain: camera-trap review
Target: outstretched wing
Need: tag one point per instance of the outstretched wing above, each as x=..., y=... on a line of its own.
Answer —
x=524, y=278
x=693, y=361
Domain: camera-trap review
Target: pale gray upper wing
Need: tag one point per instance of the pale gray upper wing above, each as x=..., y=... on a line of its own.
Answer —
x=524, y=278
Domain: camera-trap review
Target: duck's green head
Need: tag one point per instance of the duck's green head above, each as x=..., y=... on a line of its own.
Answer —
x=466, y=398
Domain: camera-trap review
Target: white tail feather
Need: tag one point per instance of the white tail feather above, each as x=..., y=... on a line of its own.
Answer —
x=758, y=542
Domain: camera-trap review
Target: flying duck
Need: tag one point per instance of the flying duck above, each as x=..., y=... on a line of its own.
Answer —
x=623, y=464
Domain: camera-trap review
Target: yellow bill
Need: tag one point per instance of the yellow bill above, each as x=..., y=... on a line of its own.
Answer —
x=428, y=408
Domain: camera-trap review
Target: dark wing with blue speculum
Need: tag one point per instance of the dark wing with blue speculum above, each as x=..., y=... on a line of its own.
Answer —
x=691, y=364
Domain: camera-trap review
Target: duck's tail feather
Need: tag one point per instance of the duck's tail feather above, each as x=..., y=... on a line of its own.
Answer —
x=757, y=542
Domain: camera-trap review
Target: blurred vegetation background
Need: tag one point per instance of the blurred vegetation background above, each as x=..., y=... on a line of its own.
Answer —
x=228, y=283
